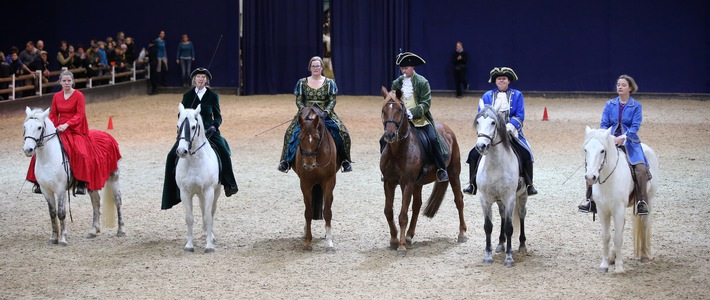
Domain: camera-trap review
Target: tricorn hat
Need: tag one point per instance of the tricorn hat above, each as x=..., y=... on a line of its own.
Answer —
x=201, y=71
x=503, y=71
x=409, y=59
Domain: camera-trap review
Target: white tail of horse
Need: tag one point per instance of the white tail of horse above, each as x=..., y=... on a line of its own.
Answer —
x=641, y=227
x=108, y=207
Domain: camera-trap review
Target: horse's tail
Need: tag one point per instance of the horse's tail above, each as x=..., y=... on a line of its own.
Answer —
x=317, y=202
x=435, y=199
x=108, y=207
x=641, y=230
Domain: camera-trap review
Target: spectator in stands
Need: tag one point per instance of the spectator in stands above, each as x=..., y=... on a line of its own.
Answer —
x=41, y=65
x=19, y=69
x=130, y=53
x=13, y=49
x=162, y=67
x=185, y=56
x=120, y=38
x=64, y=57
x=110, y=54
x=103, y=61
x=30, y=53
x=153, y=63
x=40, y=45
x=80, y=61
x=5, y=71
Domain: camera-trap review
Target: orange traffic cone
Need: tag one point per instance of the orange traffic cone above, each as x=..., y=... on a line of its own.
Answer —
x=110, y=122
x=544, y=114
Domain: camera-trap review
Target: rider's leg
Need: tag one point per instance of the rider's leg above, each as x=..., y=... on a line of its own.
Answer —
x=347, y=166
x=587, y=205
x=641, y=182
x=441, y=174
x=473, y=159
x=289, y=140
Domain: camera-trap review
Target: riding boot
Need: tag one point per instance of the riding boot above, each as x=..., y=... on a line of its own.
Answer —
x=529, y=178
x=36, y=189
x=346, y=164
x=473, y=159
x=80, y=188
x=641, y=182
x=588, y=204
x=441, y=174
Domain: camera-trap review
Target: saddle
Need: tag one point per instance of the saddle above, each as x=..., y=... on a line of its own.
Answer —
x=425, y=145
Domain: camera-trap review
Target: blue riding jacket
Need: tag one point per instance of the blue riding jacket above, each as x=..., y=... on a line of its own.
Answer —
x=516, y=115
x=625, y=120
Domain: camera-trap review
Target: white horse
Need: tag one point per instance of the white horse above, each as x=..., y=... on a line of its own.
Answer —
x=53, y=176
x=197, y=173
x=607, y=168
x=498, y=180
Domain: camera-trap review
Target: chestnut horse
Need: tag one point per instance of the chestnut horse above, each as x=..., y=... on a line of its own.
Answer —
x=316, y=165
x=402, y=163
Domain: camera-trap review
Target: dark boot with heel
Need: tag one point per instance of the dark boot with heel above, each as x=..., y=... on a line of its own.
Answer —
x=588, y=205
x=80, y=188
x=641, y=182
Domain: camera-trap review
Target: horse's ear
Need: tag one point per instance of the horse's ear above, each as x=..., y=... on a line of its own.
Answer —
x=587, y=130
x=28, y=111
x=481, y=105
x=384, y=92
x=45, y=113
x=198, y=109
x=608, y=131
x=181, y=108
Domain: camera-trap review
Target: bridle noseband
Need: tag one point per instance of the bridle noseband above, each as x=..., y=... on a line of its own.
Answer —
x=602, y=165
x=398, y=136
x=39, y=142
x=495, y=130
x=187, y=137
x=322, y=132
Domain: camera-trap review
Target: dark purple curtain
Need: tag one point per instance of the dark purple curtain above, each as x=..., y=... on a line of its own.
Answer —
x=367, y=36
x=280, y=37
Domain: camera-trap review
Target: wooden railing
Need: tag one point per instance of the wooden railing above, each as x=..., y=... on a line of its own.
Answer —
x=39, y=85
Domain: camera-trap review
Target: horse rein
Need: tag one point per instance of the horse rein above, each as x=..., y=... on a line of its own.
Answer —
x=397, y=124
x=602, y=165
x=187, y=137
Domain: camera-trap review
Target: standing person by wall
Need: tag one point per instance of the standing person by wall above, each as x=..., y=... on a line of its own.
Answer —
x=185, y=56
x=162, y=67
x=460, y=61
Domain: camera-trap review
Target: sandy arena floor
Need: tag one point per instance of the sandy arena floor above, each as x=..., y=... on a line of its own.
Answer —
x=259, y=246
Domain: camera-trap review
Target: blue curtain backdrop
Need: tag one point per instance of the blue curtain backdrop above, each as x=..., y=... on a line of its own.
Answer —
x=367, y=36
x=280, y=37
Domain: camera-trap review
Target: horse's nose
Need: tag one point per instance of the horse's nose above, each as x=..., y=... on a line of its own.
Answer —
x=181, y=152
x=28, y=151
x=590, y=179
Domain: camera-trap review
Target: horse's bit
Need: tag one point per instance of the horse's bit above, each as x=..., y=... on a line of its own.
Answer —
x=186, y=136
x=398, y=124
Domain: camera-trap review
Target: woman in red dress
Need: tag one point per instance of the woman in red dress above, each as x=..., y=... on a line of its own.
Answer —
x=69, y=115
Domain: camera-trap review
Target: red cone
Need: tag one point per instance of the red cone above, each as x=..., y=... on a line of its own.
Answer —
x=110, y=122
x=544, y=114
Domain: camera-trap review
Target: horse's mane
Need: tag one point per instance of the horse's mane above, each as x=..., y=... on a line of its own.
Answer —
x=488, y=111
x=309, y=112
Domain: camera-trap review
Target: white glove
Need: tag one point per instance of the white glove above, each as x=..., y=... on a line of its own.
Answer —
x=409, y=113
x=511, y=129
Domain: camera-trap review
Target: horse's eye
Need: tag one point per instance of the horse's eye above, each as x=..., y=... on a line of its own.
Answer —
x=603, y=151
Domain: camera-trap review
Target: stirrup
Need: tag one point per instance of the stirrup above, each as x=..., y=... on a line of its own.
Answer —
x=587, y=206
x=347, y=167
x=36, y=189
x=469, y=190
x=442, y=175
x=639, y=205
x=283, y=166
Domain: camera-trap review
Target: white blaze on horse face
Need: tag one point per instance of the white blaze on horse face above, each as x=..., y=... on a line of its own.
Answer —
x=594, y=156
x=485, y=126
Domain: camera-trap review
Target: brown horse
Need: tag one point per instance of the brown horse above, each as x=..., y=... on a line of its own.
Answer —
x=316, y=165
x=402, y=163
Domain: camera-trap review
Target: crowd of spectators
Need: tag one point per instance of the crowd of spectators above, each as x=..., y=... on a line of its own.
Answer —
x=96, y=58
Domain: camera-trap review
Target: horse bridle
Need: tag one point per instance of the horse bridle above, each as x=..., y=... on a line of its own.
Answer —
x=187, y=137
x=39, y=142
x=602, y=165
x=320, y=142
x=495, y=133
x=398, y=124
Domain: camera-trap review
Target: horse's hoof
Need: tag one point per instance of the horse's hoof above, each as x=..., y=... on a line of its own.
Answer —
x=91, y=235
x=619, y=270
x=308, y=248
x=330, y=250
x=401, y=253
x=53, y=241
x=462, y=239
x=186, y=249
x=509, y=263
x=488, y=260
x=394, y=244
x=645, y=259
x=499, y=248
x=63, y=244
x=120, y=234
x=408, y=240
x=209, y=250
x=603, y=270
x=523, y=250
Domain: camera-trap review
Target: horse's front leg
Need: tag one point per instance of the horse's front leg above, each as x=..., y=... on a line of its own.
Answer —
x=62, y=214
x=404, y=218
x=389, y=214
x=328, y=215
x=96, y=206
x=52, y=205
x=308, y=215
x=619, y=221
x=605, y=220
x=208, y=220
x=488, y=228
x=509, y=210
x=189, y=219
x=522, y=211
x=416, y=206
x=501, y=238
x=458, y=200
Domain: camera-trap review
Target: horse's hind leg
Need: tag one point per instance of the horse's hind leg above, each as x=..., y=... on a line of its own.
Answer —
x=416, y=207
x=116, y=191
x=96, y=207
x=619, y=238
x=501, y=238
x=522, y=211
x=328, y=216
x=458, y=200
x=61, y=214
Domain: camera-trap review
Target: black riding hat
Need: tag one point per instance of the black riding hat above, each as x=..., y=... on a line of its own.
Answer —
x=201, y=71
x=409, y=59
x=503, y=71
